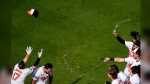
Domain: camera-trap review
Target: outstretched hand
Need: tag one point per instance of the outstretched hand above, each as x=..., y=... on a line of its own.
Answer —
x=29, y=50
x=40, y=53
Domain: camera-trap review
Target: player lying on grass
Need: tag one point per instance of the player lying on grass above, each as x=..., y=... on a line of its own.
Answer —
x=20, y=72
x=135, y=60
x=42, y=74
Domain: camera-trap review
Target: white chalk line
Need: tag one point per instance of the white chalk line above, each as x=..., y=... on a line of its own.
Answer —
x=121, y=23
x=74, y=72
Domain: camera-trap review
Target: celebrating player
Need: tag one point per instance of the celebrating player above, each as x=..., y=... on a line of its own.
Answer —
x=112, y=74
x=134, y=75
x=20, y=72
x=41, y=74
x=132, y=61
x=120, y=74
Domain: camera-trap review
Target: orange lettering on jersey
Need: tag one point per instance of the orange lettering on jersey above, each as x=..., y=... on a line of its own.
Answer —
x=18, y=70
x=129, y=65
x=16, y=74
x=43, y=78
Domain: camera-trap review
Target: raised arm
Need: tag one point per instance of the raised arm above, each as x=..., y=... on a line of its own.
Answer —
x=119, y=38
x=38, y=59
x=28, y=50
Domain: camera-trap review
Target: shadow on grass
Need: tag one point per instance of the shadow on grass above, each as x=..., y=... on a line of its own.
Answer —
x=77, y=80
x=91, y=82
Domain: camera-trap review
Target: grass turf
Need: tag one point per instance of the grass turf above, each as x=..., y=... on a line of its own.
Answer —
x=82, y=29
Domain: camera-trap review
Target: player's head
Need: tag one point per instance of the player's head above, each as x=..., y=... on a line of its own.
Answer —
x=112, y=73
x=136, y=36
x=136, y=53
x=136, y=44
x=21, y=65
x=134, y=70
x=114, y=67
x=48, y=67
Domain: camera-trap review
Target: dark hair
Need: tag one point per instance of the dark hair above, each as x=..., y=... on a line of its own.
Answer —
x=113, y=73
x=138, y=52
x=136, y=69
x=135, y=35
x=114, y=67
x=137, y=43
x=48, y=65
x=21, y=65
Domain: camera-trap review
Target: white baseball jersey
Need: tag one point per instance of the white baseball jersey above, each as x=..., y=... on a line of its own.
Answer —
x=135, y=79
x=130, y=62
x=40, y=76
x=19, y=75
x=123, y=77
x=129, y=45
x=117, y=81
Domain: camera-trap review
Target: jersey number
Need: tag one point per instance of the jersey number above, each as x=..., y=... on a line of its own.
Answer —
x=15, y=76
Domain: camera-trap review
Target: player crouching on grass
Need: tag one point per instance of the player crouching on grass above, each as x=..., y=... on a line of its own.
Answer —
x=135, y=60
x=20, y=72
x=41, y=74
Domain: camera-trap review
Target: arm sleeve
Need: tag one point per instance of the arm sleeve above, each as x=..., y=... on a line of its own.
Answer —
x=129, y=60
x=36, y=76
x=37, y=62
x=51, y=74
x=29, y=70
x=129, y=44
x=120, y=40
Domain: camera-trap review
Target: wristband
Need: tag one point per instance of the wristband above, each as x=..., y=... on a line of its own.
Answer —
x=27, y=56
x=112, y=59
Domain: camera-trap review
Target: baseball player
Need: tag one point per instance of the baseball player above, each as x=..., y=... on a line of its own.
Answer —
x=120, y=74
x=20, y=72
x=42, y=74
x=135, y=60
x=112, y=74
x=134, y=75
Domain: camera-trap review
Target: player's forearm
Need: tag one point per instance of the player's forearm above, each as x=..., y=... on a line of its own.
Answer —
x=120, y=40
x=26, y=58
x=119, y=59
x=37, y=62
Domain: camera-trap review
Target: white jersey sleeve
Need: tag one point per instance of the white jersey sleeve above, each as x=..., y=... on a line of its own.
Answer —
x=36, y=74
x=129, y=44
x=129, y=60
x=135, y=79
x=52, y=72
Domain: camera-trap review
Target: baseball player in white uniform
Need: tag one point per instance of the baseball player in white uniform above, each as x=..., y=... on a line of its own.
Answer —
x=132, y=61
x=42, y=74
x=121, y=75
x=130, y=45
x=20, y=72
x=134, y=76
x=112, y=74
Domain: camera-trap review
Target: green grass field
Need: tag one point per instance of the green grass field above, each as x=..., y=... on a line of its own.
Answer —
x=80, y=29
